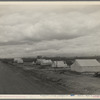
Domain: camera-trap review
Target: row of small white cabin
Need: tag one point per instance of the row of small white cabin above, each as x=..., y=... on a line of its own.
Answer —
x=44, y=62
x=80, y=65
x=51, y=63
x=86, y=65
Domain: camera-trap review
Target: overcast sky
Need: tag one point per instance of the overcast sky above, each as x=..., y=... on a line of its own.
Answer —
x=50, y=30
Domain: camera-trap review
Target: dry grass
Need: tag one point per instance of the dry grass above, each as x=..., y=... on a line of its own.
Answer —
x=75, y=83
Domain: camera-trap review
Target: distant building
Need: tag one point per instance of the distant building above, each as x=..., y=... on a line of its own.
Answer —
x=38, y=61
x=86, y=65
x=59, y=64
x=18, y=60
x=43, y=62
x=33, y=63
x=46, y=62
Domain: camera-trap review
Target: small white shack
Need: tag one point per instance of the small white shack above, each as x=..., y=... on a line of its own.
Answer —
x=18, y=60
x=38, y=61
x=86, y=65
x=59, y=64
x=43, y=62
x=33, y=63
x=46, y=62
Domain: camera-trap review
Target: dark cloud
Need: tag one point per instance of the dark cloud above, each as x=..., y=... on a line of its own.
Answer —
x=49, y=30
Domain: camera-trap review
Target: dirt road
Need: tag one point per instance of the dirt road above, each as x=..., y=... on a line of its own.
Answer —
x=13, y=82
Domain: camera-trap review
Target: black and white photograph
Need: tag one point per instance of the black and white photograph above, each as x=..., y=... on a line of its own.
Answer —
x=50, y=48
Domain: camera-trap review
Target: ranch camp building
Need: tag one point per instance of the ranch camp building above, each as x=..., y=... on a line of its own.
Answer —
x=86, y=65
x=59, y=64
x=18, y=60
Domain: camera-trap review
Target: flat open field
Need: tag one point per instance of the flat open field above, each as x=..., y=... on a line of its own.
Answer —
x=30, y=79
